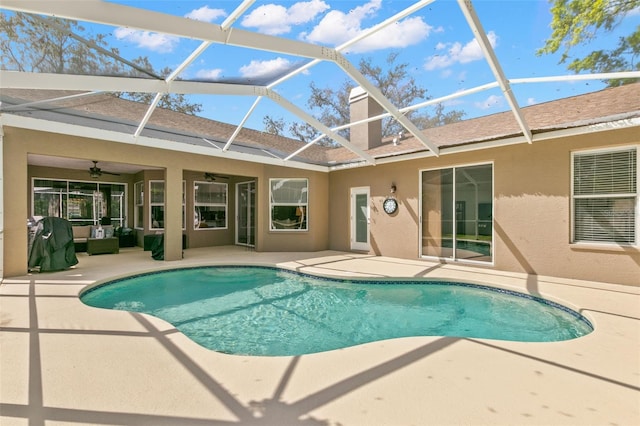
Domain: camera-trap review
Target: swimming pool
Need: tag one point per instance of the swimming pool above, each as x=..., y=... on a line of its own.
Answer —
x=252, y=310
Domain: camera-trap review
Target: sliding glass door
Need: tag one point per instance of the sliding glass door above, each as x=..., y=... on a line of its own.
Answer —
x=457, y=213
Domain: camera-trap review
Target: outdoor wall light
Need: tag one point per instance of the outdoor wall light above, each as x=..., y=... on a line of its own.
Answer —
x=390, y=204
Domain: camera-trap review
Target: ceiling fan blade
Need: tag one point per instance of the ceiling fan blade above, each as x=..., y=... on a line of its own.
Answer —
x=96, y=171
x=211, y=177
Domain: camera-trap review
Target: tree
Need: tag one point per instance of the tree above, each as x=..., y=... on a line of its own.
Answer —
x=174, y=101
x=577, y=22
x=332, y=105
x=52, y=45
x=45, y=44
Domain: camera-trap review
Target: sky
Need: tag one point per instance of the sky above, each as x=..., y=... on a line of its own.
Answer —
x=435, y=42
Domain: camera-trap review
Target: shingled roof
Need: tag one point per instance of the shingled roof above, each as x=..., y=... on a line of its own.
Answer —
x=604, y=106
x=163, y=123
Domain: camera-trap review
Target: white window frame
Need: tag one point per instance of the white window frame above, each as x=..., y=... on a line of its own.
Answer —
x=196, y=224
x=164, y=198
x=184, y=205
x=153, y=204
x=636, y=195
x=493, y=206
x=64, y=196
x=138, y=200
x=301, y=206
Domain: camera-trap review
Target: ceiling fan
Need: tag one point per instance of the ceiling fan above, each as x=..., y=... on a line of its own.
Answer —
x=212, y=177
x=95, y=171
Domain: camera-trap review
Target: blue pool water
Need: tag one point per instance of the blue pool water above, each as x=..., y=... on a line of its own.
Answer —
x=269, y=311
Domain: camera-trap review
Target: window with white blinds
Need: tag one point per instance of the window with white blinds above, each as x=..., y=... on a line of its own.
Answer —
x=605, y=196
x=288, y=204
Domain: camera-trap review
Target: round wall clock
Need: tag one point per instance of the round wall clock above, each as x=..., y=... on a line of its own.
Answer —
x=390, y=205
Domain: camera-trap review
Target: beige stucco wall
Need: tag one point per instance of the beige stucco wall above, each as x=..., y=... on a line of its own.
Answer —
x=395, y=235
x=177, y=166
x=532, y=221
x=531, y=202
x=316, y=238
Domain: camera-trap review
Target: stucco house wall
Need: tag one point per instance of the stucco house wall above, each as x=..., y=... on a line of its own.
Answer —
x=18, y=143
x=532, y=209
x=531, y=200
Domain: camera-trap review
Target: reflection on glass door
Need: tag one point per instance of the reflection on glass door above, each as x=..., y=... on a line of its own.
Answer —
x=457, y=213
x=245, y=216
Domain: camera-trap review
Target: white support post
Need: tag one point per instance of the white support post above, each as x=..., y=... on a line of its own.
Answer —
x=318, y=125
x=242, y=123
x=483, y=41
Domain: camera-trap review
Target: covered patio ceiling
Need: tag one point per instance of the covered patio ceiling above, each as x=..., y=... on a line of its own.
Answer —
x=308, y=55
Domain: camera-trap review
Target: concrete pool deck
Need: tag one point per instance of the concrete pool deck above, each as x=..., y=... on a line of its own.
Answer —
x=62, y=362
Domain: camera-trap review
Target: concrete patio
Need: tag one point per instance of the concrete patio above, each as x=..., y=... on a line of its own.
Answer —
x=63, y=362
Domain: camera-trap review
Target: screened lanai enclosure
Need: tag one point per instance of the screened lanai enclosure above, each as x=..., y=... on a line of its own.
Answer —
x=259, y=123
x=249, y=62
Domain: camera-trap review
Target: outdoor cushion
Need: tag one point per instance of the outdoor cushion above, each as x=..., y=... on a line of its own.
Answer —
x=81, y=233
x=107, y=231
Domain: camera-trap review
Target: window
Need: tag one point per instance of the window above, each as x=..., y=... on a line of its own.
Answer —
x=139, y=204
x=82, y=203
x=288, y=204
x=113, y=199
x=457, y=213
x=605, y=196
x=156, y=204
x=49, y=196
x=210, y=205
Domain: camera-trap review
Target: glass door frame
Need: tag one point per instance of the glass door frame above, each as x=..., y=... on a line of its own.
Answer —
x=250, y=213
x=454, y=257
x=353, y=219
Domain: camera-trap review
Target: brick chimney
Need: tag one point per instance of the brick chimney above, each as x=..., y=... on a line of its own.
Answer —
x=366, y=135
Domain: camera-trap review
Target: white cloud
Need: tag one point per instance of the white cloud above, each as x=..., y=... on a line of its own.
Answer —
x=446, y=73
x=156, y=42
x=531, y=101
x=457, y=53
x=163, y=43
x=491, y=102
x=212, y=74
x=405, y=33
x=274, y=19
x=206, y=14
x=265, y=68
x=338, y=27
